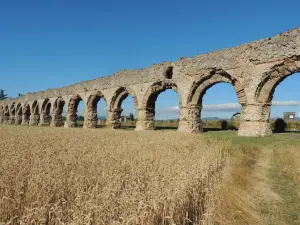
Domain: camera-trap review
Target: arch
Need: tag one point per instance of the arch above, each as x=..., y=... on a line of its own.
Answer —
x=45, y=113
x=120, y=95
x=90, y=114
x=272, y=78
x=1, y=114
x=6, y=114
x=155, y=89
x=35, y=113
x=12, y=113
x=58, y=107
x=200, y=87
x=18, y=113
x=115, y=107
x=72, y=110
x=146, y=114
x=26, y=114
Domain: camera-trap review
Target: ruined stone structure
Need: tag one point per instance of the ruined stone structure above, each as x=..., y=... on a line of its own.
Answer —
x=254, y=70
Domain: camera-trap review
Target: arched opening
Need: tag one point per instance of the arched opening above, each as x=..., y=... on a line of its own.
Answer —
x=75, y=112
x=220, y=113
x=58, y=113
x=35, y=114
x=167, y=110
x=284, y=103
x=148, y=113
x=6, y=115
x=19, y=113
x=214, y=109
x=45, y=118
x=123, y=109
x=26, y=114
x=95, y=110
x=1, y=114
x=12, y=114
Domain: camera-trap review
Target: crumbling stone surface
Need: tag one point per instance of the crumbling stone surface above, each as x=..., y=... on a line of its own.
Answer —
x=254, y=70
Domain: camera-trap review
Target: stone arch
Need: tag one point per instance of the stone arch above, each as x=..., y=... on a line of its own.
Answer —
x=18, y=113
x=115, y=107
x=26, y=114
x=58, y=107
x=6, y=114
x=157, y=88
x=35, y=113
x=12, y=111
x=120, y=95
x=190, y=114
x=200, y=87
x=272, y=78
x=45, y=118
x=90, y=114
x=1, y=114
x=146, y=114
x=72, y=117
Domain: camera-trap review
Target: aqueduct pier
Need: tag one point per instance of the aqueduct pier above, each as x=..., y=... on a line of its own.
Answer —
x=254, y=70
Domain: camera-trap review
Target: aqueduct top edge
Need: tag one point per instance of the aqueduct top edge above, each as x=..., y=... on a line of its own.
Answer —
x=281, y=46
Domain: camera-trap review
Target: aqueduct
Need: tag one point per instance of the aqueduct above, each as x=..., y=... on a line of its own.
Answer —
x=254, y=70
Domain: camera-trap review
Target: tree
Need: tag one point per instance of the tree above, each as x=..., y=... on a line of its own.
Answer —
x=131, y=117
x=19, y=94
x=2, y=95
x=280, y=125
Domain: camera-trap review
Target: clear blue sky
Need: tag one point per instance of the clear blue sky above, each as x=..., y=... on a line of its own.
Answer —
x=48, y=44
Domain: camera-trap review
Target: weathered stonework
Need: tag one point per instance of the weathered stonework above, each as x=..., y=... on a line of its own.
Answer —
x=253, y=69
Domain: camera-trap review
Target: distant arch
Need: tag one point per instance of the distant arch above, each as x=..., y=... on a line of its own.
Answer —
x=26, y=114
x=91, y=114
x=35, y=113
x=58, y=108
x=45, y=112
x=272, y=78
x=72, y=117
x=120, y=95
x=18, y=113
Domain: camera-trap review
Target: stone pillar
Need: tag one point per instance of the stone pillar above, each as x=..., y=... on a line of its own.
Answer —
x=1, y=119
x=255, y=120
x=189, y=120
x=6, y=119
x=34, y=120
x=25, y=119
x=57, y=119
x=113, y=118
x=71, y=120
x=90, y=118
x=18, y=119
x=11, y=119
x=45, y=119
x=145, y=119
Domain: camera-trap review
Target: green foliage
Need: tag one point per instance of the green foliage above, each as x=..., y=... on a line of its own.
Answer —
x=2, y=95
x=280, y=125
x=224, y=124
x=131, y=117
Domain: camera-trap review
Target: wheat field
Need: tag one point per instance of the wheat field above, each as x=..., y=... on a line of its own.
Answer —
x=77, y=176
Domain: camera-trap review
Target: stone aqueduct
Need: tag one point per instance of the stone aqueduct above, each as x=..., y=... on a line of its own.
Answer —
x=254, y=70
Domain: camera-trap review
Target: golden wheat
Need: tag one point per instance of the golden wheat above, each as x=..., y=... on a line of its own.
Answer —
x=76, y=176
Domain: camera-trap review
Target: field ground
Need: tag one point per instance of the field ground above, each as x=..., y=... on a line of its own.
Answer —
x=103, y=176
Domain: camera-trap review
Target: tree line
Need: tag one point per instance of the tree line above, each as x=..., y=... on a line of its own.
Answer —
x=4, y=96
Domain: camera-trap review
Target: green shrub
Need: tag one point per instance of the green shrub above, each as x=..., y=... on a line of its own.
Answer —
x=280, y=125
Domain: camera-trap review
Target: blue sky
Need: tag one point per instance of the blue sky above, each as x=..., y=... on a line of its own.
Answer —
x=57, y=43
